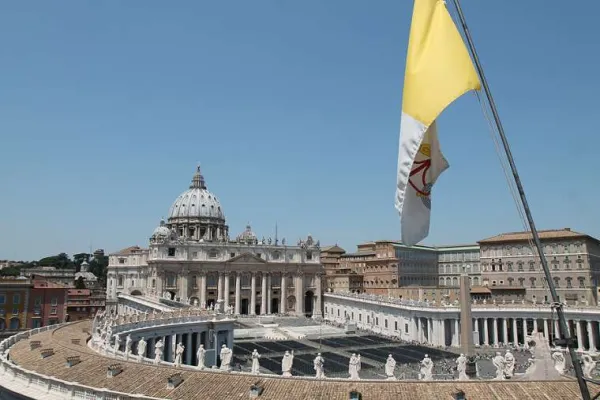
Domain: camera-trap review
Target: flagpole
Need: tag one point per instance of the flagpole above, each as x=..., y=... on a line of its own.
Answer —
x=563, y=328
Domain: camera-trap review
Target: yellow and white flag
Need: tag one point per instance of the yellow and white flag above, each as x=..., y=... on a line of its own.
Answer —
x=438, y=71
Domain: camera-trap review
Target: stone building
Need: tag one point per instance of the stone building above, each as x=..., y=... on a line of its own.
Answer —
x=509, y=261
x=191, y=258
x=455, y=260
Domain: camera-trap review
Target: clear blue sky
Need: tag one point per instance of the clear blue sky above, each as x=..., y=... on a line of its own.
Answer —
x=291, y=107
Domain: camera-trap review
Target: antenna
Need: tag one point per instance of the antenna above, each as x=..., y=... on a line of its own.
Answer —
x=276, y=239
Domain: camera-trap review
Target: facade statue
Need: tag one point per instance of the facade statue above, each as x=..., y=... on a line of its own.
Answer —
x=141, y=349
x=461, y=367
x=559, y=362
x=226, y=354
x=179, y=354
x=287, y=363
x=390, y=367
x=201, y=355
x=128, y=343
x=589, y=365
x=318, y=363
x=499, y=363
x=509, y=365
x=426, y=373
x=158, y=351
x=354, y=366
x=542, y=363
x=255, y=363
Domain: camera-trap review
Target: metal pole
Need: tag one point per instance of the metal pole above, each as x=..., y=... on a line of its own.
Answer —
x=564, y=331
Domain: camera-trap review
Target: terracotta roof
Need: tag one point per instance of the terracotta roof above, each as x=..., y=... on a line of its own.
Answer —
x=526, y=235
x=332, y=249
x=151, y=380
x=128, y=251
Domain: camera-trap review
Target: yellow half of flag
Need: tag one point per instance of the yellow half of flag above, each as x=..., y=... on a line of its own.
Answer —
x=438, y=71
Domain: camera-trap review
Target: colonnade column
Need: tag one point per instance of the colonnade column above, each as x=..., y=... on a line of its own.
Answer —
x=269, y=291
x=442, y=335
x=515, y=332
x=226, y=292
x=505, y=331
x=486, y=336
x=317, y=313
x=456, y=337
x=477, y=330
x=282, y=298
x=546, y=329
x=188, y=349
x=263, y=295
x=253, y=294
x=557, y=330
x=535, y=325
x=590, y=332
x=524, y=329
x=238, y=293
x=298, y=286
x=495, y=333
x=203, y=290
x=579, y=336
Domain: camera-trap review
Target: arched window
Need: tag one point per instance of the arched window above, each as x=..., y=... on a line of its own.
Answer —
x=556, y=281
x=448, y=281
x=14, y=324
x=442, y=281
x=455, y=281
x=475, y=281
x=120, y=280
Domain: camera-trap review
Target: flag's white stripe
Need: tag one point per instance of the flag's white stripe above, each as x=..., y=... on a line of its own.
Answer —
x=414, y=221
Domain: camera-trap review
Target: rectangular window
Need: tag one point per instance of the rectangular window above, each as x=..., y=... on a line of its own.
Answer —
x=2, y=299
x=15, y=310
x=38, y=301
x=405, y=328
x=16, y=298
x=195, y=254
x=54, y=301
x=368, y=319
x=359, y=317
x=121, y=261
x=377, y=321
x=53, y=311
x=36, y=323
x=171, y=252
x=231, y=255
x=386, y=323
x=396, y=325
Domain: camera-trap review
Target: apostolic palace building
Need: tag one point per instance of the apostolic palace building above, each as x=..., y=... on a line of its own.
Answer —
x=191, y=258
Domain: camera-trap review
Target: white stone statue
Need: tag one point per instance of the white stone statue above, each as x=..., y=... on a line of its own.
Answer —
x=158, y=351
x=318, y=363
x=426, y=373
x=117, y=343
x=509, y=365
x=226, y=355
x=141, y=349
x=559, y=362
x=461, y=367
x=390, y=367
x=354, y=366
x=542, y=363
x=589, y=365
x=179, y=354
x=201, y=354
x=255, y=363
x=499, y=363
x=287, y=363
x=128, y=343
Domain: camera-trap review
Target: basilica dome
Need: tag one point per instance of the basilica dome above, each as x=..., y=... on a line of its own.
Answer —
x=196, y=202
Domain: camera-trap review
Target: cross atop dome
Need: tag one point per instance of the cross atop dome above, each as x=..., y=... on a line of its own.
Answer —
x=198, y=180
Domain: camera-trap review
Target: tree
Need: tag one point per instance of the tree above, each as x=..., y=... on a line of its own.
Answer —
x=61, y=260
x=11, y=271
x=79, y=283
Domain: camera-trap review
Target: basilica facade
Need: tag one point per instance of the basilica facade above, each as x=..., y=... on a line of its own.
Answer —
x=192, y=259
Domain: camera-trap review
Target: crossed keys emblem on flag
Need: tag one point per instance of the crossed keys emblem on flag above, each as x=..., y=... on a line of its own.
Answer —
x=419, y=172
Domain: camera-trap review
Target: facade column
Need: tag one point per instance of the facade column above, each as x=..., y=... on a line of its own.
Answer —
x=183, y=287
x=253, y=294
x=263, y=295
x=203, y=290
x=524, y=330
x=590, y=333
x=505, y=331
x=298, y=287
x=220, y=287
x=317, y=313
x=442, y=334
x=226, y=293
x=535, y=325
x=515, y=332
x=546, y=329
x=486, y=336
x=495, y=333
x=283, y=295
x=188, y=349
x=477, y=330
x=557, y=330
x=430, y=336
x=238, y=293
x=579, y=336
x=269, y=293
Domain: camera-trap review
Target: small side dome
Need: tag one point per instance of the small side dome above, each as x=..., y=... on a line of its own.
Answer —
x=247, y=236
x=161, y=230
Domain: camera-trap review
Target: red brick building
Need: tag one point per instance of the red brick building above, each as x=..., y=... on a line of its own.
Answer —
x=47, y=303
